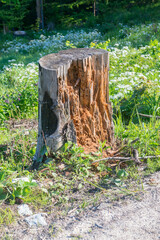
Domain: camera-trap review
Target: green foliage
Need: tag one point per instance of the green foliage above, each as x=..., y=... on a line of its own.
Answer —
x=153, y=165
x=100, y=45
x=13, y=12
x=122, y=173
x=14, y=160
x=148, y=134
x=6, y=216
x=19, y=91
x=134, y=81
x=69, y=44
x=21, y=189
x=73, y=156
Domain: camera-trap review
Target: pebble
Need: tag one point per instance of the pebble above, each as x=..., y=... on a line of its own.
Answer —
x=24, y=210
x=36, y=220
x=19, y=33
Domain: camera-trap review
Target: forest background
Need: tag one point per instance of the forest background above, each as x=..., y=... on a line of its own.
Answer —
x=32, y=14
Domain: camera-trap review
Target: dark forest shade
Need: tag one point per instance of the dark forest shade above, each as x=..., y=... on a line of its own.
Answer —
x=49, y=119
x=31, y=14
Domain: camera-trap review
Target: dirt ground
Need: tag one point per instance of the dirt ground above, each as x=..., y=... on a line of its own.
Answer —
x=126, y=219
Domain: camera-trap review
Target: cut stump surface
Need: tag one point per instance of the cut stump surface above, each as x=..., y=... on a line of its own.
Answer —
x=74, y=99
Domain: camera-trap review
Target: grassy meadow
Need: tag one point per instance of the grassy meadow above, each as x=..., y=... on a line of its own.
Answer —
x=134, y=88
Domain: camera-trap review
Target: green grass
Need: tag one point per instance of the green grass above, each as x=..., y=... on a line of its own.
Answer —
x=6, y=217
x=149, y=138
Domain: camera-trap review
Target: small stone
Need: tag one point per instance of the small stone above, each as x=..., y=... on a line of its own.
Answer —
x=19, y=33
x=36, y=220
x=24, y=210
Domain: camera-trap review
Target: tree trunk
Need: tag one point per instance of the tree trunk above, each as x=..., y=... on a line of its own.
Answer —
x=42, y=17
x=74, y=100
x=94, y=8
x=39, y=10
x=5, y=29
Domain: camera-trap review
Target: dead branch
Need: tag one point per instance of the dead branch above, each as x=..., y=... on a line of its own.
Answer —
x=136, y=156
x=125, y=158
x=149, y=116
x=125, y=146
x=44, y=169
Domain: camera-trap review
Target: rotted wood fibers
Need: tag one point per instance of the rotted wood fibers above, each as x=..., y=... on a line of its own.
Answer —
x=76, y=82
x=87, y=83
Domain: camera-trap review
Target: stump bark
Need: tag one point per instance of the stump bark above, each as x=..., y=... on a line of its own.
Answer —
x=74, y=100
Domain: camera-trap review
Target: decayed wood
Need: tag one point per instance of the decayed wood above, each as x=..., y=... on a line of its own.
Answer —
x=74, y=99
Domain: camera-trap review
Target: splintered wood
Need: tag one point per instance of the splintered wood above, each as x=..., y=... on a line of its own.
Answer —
x=74, y=99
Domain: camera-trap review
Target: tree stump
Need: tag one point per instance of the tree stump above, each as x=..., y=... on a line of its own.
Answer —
x=74, y=100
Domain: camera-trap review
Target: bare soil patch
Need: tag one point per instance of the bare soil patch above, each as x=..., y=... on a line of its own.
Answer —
x=128, y=217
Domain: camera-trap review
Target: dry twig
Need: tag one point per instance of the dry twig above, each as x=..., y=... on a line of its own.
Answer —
x=125, y=158
x=125, y=146
x=149, y=116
